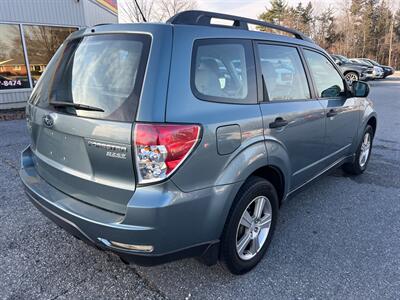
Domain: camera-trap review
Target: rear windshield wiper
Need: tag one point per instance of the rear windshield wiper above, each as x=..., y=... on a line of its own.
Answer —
x=76, y=106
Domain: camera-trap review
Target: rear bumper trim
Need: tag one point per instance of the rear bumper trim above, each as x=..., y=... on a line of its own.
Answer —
x=59, y=220
x=203, y=250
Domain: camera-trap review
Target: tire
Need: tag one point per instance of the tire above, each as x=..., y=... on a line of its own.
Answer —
x=259, y=232
x=360, y=163
x=351, y=76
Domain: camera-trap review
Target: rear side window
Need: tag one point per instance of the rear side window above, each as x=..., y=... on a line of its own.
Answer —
x=283, y=73
x=327, y=79
x=223, y=71
x=101, y=71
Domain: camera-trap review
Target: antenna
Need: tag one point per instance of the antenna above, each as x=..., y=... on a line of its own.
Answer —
x=141, y=13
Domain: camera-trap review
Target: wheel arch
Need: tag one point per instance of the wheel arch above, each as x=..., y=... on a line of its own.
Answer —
x=368, y=117
x=268, y=160
x=271, y=173
x=351, y=71
x=372, y=122
x=275, y=176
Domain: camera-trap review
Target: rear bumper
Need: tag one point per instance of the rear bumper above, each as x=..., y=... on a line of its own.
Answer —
x=174, y=223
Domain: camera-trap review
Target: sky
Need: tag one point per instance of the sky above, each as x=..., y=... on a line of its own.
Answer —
x=247, y=8
x=244, y=8
x=253, y=8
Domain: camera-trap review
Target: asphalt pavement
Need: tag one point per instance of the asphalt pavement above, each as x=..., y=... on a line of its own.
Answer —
x=338, y=238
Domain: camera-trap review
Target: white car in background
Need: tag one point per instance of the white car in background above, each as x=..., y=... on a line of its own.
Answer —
x=377, y=73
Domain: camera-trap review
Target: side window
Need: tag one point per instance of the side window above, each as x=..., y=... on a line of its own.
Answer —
x=327, y=79
x=283, y=73
x=223, y=71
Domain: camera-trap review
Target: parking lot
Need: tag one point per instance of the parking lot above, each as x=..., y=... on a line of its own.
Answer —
x=338, y=238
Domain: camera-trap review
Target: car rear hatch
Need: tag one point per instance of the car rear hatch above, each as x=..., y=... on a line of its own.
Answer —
x=81, y=115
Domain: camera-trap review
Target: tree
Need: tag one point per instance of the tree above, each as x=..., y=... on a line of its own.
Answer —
x=370, y=19
x=276, y=13
x=397, y=25
x=383, y=31
x=131, y=13
x=326, y=35
x=169, y=8
x=154, y=10
x=354, y=28
x=305, y=18
x=357, y=35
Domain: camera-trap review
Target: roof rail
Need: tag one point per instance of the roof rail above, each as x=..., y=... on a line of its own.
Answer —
x=198, y=17
x=102, y=24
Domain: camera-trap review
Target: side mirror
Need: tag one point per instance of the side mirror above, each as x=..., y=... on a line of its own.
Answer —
x=338, y=62
x=360, y=89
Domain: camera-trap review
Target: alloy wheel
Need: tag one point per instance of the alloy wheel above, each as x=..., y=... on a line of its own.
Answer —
x=365, y=150
x=351, y=77
x=253, y=228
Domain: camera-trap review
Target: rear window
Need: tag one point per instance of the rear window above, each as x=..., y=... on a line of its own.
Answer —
x=100, y=71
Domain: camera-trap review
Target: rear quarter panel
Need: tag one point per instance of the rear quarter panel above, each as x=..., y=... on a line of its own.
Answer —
x=367, y=112
x=206, y=167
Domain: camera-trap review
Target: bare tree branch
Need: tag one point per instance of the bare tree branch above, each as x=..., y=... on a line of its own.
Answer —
x=131, y=13
x=154, y=10
x=168, y=8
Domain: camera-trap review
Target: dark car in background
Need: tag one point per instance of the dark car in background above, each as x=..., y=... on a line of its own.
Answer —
x=386, y=69
x=353, y=71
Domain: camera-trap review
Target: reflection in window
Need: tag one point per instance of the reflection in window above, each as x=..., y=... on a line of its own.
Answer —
x=104, y=71
x=41, y=44
x=13, y=72
x=283, y=73
x=327, y=80
x=221, y=71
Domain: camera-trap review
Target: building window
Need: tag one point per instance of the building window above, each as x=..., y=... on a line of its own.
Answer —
x=13, y=71
x=41, y=44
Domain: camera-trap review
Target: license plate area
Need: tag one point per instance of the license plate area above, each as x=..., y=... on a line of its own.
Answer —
x=65, y=149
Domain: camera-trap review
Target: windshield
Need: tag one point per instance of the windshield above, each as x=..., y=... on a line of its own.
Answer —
x=364, y=62
x=375, y=63
x=344, y=59
x=100, y=71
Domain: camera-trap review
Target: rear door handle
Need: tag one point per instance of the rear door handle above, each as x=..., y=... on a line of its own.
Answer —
x=279, y=122
x=331, y=113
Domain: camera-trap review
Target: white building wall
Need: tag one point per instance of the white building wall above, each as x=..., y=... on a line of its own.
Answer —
x=94, y=15
x=14, y=98
x=58, y=12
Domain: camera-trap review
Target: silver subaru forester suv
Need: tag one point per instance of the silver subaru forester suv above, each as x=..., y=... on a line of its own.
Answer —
x=164, y=141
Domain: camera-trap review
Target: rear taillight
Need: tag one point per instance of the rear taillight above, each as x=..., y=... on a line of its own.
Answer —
x=161, y=148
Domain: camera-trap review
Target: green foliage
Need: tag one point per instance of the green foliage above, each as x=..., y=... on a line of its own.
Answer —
x=327, y=35
x=364, y=29
x=276, y=13
x=397, y=25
